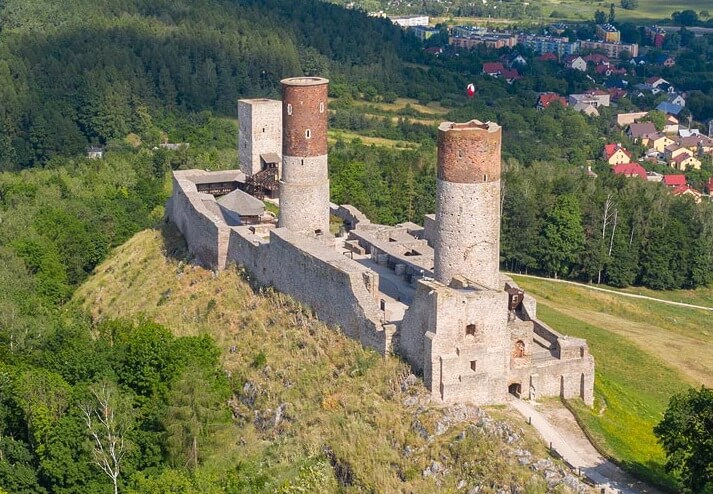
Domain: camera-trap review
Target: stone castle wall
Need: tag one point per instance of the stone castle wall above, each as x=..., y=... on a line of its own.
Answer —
x=340, y=291
x=206, y=238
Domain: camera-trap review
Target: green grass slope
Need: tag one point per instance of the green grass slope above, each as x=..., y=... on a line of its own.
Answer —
x=346, y=423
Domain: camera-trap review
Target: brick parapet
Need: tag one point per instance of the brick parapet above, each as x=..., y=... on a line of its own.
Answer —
x=304, y=116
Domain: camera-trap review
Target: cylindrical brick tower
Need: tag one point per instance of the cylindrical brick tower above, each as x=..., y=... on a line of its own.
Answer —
x=467, y=238
x=304, y=185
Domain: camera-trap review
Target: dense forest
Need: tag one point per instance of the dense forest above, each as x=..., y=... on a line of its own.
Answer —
x=130, y=74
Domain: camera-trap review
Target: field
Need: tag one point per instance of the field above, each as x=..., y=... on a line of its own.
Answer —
x=578, y=10
x=645, y=351
x=334, y=135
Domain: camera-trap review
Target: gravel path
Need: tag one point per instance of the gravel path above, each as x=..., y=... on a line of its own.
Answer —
x=559, y=429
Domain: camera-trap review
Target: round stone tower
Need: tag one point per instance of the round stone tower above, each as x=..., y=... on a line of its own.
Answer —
x=467, y=238
x=304, y=185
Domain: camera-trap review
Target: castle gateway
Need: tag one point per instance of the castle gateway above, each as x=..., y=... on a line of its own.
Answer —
x=432, y=294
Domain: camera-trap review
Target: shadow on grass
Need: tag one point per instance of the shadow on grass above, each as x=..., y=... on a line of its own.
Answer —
x=174, y=245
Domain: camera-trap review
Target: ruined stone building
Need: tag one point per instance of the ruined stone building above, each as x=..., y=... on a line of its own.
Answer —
x=432, y=294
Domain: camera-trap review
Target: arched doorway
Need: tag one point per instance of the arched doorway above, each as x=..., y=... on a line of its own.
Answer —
x=515, y=389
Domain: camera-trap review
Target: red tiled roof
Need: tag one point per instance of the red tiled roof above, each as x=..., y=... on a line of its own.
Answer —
x=493, y=68
x=596, y=58
x=630, y=170
x=610, y=149
x=674, y=180
x=546, y=99
x=682, y=189
x=651, y=80
x=510, y=74
x=547, y=57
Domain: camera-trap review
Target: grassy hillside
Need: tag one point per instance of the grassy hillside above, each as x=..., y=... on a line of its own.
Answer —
x=336, y=400
x=645, y=351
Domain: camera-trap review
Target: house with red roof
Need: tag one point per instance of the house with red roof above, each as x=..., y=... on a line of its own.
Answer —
x=709, y=186
x=547, y=57
x=615, y=154
x=687, y=191
x=630, y=170
x=546, y=99
x=674, y=180
x=597, y=59
x=493, y=69
x=510, y=75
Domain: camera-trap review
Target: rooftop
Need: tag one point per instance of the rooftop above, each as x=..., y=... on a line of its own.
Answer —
x=304, y=81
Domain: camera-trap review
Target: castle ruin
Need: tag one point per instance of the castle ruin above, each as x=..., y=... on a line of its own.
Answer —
x=432, y=294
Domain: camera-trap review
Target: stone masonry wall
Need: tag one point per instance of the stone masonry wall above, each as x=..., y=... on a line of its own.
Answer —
x=340, y=291
x=206, y=235
x=260, y=132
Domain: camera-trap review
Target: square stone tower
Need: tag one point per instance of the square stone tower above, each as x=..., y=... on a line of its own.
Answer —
x=260, y=134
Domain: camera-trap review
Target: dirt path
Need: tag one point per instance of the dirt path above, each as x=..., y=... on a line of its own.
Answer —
x=614, y=292
x=559, y=429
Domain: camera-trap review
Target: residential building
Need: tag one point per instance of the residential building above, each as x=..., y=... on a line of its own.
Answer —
x=638, y=130
x=493, y=69
x=575, y=62
x=615, y=154
x=673, y=150
x=688, y=191
x=423, y=32
x=95, y=152
x=665, y=60
x=546, y=99
x=612, y=50
x=624, y=119
x=548, y=57
x=491, y=40
x=659, y=142
x=409, y=20
x=656, y=35
x=676, y=99
x=669, y=108
x=549, y=44
x=685, y=161
x=608, y=33
x=587, y=108
x=634, y=170
x=674, y=180
x=596, y=98
x=671, y=125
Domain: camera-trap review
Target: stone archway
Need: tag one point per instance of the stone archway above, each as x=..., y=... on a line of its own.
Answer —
x=515, y=389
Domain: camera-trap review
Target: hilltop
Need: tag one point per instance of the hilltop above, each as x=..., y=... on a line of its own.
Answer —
x=306, y=396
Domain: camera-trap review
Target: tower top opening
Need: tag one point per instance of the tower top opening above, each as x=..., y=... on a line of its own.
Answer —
x=304, y=81
x=471, y=125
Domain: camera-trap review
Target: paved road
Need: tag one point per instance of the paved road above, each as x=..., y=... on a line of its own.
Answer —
x=572, y=445
x=614, y=292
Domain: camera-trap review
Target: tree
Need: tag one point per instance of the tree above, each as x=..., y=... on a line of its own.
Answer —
x=612, y=14
x=562, y=235
x=599, y=18
x=685, y=18
x=629, y=4
x=196, y=407
x=686, y=434
x=108, y=420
